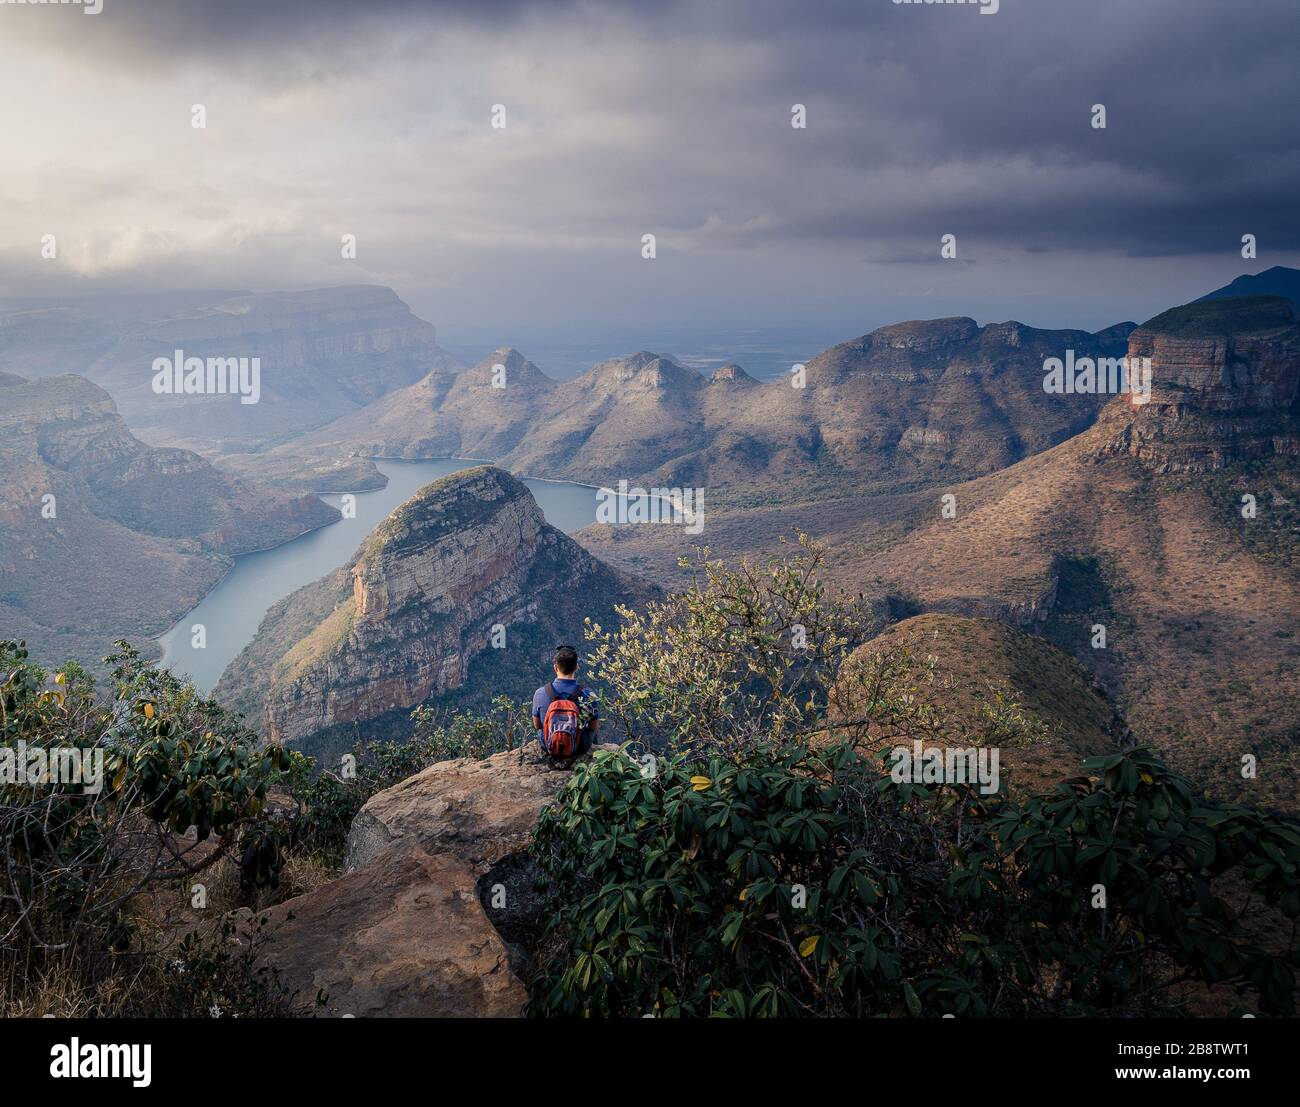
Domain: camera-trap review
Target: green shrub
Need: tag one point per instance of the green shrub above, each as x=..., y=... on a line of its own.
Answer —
x=744, y=652
x=789, y=881
x=72, y=860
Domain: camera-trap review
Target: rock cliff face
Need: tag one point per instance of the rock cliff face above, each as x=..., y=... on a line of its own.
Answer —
x=1136, y=526
x=323, y=353
x=1226, y=384
x=418, y=603
x=133, y=534
x=908, y=403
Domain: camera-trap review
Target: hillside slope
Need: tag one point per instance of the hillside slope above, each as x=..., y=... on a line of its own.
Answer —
x=134, y=534
x=412, y=615
x=980, y=665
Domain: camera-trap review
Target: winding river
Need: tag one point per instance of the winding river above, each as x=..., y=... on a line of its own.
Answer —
x=231, y=613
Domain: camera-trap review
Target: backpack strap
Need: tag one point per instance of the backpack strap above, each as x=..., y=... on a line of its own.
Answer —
x=575, y=696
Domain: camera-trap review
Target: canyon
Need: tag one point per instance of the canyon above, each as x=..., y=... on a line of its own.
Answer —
x=105, y=536
x=466, y=563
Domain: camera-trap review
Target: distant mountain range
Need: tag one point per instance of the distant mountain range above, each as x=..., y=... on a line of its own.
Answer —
x=322, y=352
x=1278, y=281
x=903, y=406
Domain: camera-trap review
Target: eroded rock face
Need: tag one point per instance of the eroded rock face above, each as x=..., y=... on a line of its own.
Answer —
x=413, y=927
x=137, y=530
x=402, y=936
x=1225, y=387
x=420, y=599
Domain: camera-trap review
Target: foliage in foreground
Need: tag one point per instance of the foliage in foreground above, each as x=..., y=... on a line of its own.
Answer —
x=767, y=864
x=789, y=881
x=186, y=788
x=74, y=860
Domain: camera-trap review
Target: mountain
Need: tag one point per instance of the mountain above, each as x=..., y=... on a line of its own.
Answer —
x=479, y=413
x=1064, y=718
x=412, y=615
x=323, y=353
x=1278, y=281
x=903, y=406
x=1135, y=524
x=137, y=533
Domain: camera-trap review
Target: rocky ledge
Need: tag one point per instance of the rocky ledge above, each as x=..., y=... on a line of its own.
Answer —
x=436, y=884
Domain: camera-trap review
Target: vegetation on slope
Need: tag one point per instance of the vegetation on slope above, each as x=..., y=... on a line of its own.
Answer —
x=755, y=857
x=771, y=864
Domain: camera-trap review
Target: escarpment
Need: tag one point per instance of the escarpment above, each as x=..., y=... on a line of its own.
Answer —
x=465, y=576
x=1225, y=385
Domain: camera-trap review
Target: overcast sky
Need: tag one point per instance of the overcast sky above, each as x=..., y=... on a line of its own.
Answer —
x=373, y=118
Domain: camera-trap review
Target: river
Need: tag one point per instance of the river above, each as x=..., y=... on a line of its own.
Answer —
x=231, y=613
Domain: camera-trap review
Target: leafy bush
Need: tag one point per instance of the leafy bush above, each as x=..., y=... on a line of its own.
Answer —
x=793, y=881
x=743, y=653
x=73, y=859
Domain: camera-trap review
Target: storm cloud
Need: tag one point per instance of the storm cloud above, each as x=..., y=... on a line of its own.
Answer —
x=330, y=117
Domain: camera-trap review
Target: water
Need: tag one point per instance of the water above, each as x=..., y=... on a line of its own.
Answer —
x=232, y=612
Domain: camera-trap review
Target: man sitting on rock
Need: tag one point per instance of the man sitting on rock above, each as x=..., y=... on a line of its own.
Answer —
x=563, y=711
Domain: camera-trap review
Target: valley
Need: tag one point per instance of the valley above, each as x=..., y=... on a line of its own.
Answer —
x=926, y=456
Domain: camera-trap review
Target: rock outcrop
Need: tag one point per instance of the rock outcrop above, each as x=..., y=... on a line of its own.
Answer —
x=404, y=935
x=436, y=884
x=1225, y=387
x=419, y=603
x=478, y=811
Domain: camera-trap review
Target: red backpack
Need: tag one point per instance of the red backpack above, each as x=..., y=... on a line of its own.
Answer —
x=562, y=725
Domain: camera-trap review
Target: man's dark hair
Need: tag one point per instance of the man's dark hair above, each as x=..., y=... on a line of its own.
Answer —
x=566, y=659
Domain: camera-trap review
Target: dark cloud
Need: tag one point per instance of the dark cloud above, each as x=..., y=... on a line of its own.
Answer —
x=674, y=117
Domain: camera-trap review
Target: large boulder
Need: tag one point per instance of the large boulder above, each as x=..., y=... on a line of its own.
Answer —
x=404, y=935
x=479, y=811
x=438, y=902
